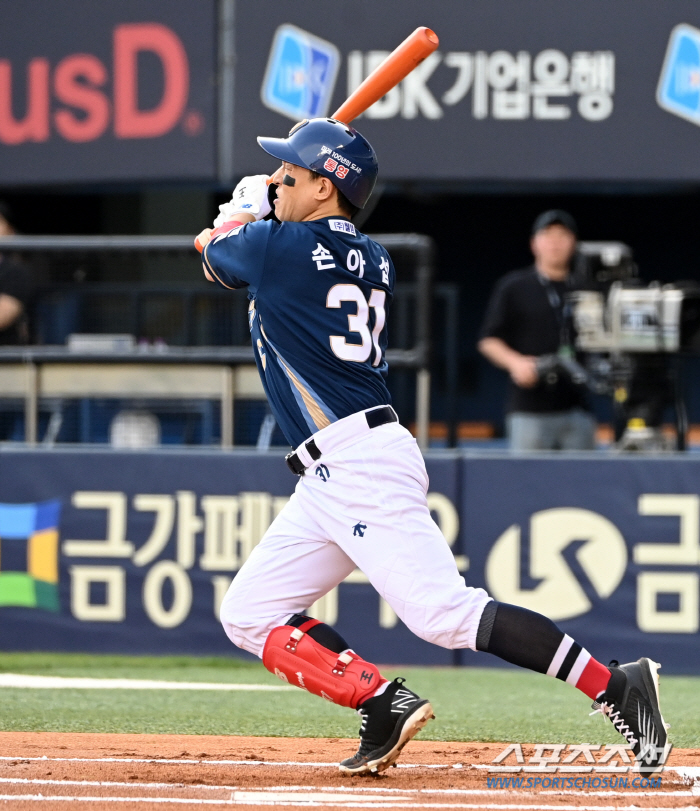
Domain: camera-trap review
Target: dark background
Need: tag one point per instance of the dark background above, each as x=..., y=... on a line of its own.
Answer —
x=502, y=173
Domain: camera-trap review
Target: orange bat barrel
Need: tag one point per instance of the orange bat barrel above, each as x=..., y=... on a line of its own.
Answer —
x=392, y=70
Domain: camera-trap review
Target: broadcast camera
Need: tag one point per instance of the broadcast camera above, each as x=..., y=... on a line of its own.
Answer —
x=629, y=339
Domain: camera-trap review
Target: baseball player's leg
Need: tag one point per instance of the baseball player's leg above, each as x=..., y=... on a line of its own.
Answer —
x=291, y=568
x=627, y=694
x=263, y=612
x=381, y=520
x=409, y=563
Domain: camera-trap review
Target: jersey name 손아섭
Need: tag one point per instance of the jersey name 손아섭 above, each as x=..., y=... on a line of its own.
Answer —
x=319, y=297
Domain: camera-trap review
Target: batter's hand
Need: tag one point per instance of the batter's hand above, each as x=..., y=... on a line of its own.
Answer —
x=249, y=197
x=201, y=242
x=523, y=371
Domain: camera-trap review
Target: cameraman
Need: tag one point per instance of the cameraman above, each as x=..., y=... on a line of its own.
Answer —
x=526, y=319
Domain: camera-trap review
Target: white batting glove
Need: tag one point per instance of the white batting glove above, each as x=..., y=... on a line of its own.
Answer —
x=249, y=197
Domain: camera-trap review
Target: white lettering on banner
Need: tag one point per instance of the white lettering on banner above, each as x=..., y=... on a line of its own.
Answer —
x=112, y=608
x=153, y=594
x=220, y=534
x=503, y=85
x=184, y=531
x=189, y=525
x=164, y=508
x=115, y=544
x=232, y=527
x=680, y=590
x=464, y=65
x=682, y=619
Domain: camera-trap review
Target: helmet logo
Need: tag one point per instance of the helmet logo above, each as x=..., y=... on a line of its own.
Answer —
x=331, y=164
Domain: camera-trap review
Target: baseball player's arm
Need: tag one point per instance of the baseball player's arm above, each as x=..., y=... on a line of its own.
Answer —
x=521, y=368
x=249, y=203
x=205, y=237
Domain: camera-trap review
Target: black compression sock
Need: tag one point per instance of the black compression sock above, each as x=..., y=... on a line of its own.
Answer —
x=520, y=636
x=321, y=633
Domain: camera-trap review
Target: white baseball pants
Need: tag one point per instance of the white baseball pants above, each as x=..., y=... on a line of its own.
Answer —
x=370, y=513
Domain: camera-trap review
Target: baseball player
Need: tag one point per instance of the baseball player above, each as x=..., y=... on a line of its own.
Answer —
x=319, y=294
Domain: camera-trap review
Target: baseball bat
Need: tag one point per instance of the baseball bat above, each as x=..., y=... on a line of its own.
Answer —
x=400, y=62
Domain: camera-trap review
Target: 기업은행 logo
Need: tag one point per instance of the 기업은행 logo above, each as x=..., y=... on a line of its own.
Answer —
x=301, y=73
x=679, y=85
x=29, y=555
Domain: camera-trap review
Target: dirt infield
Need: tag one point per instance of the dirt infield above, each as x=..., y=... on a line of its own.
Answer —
x=146, y=772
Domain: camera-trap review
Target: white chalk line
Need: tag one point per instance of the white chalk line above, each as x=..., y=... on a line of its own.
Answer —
x=361, y=789
x=683, y=771
x=24, y=681
x=252, y=798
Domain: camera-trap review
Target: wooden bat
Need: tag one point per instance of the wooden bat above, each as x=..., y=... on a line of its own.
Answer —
x=400, y=62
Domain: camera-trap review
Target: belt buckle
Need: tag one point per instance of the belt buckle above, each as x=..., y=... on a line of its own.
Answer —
x=295, y=464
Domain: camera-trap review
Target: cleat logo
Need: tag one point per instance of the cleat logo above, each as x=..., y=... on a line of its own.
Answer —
x=648, y=739
x=403, y=700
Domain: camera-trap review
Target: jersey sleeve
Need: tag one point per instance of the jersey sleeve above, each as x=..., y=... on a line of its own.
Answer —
x=237, y=258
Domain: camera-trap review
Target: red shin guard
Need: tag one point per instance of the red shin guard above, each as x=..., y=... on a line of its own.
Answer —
x=343, y=678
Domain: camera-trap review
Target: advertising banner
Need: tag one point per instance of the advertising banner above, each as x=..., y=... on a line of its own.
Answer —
x=519, y=90
x=132, y=552
x=100, y=92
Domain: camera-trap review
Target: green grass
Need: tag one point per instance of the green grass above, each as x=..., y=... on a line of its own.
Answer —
x=471, y=704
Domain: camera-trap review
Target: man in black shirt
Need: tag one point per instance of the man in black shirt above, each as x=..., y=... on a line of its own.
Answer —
x=525, y=320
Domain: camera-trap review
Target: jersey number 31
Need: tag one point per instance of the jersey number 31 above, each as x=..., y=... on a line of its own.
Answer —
x=358, y=323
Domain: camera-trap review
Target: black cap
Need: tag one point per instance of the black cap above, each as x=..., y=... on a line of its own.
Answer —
x=555, y=216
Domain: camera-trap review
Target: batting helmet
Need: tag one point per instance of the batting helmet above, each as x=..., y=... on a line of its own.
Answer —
x=334, y=150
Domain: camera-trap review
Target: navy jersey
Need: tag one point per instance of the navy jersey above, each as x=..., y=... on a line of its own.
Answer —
x=319, y=296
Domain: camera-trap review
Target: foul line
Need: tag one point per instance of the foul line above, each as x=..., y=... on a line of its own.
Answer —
x=22, y=680
x=682, y=771
x=250, y=798
x=467, y=792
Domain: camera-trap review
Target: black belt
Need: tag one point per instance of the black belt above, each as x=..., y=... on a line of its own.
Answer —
x=375, y=418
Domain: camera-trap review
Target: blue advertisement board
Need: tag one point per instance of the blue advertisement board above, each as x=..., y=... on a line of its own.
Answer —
x=518, y=90
x=132, y=552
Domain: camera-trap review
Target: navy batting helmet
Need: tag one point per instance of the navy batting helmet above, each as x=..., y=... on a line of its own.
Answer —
x=334, y=150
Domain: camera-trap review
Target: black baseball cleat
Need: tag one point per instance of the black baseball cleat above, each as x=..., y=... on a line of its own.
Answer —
x=389, y=721
x=631, y=702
